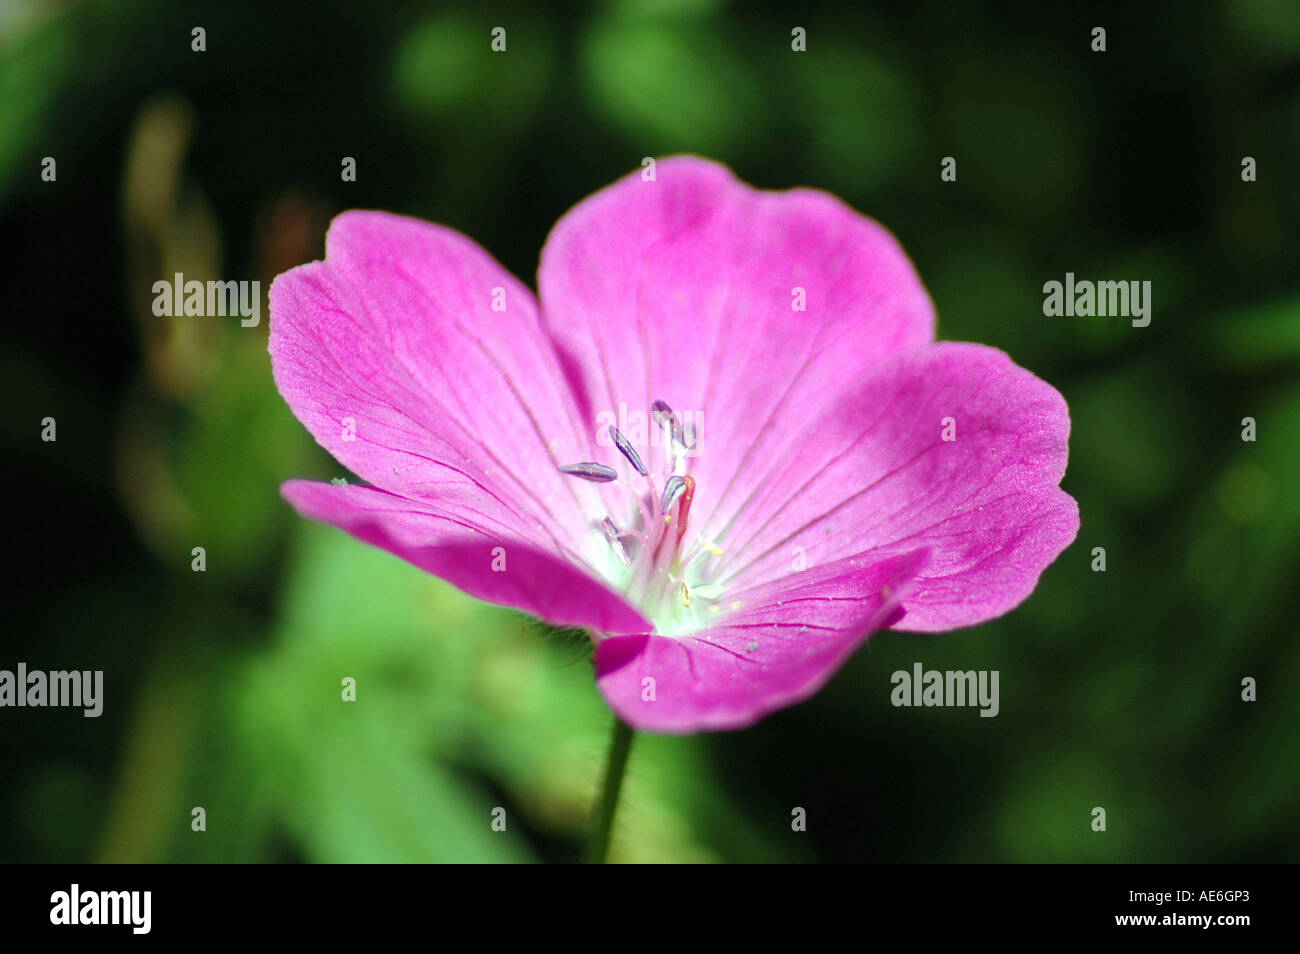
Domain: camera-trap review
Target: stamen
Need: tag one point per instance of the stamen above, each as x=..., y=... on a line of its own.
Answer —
x=635, y=535
x=685, y=595
x=672, y=490
x=598, y=473
x=663, y=416
x=615, y=543
x=640, y=503
x=705, y=546
x=628, y=450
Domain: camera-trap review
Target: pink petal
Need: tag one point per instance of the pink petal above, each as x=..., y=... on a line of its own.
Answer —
x=391, y=354
x=683, y=288
x=777, y=649
x=875, y=476
x=467, y=555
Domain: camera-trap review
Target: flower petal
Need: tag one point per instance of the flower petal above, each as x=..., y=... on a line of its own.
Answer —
x=483, y=560
x=687, y=289
x=777, y=649
x=876, y=475
x=391, y=353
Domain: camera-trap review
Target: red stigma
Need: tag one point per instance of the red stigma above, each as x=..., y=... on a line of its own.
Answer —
x=684, y=507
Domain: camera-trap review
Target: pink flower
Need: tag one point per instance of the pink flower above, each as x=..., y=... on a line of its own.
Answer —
x=816, y=466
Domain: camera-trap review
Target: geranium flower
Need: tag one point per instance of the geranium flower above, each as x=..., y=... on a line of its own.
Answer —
x=724, y=441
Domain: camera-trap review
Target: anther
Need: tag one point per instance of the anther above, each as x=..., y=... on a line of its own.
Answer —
x=672, y=490
x=598, y=473
x=663, y=416
x=628, y=450
x=615, y=542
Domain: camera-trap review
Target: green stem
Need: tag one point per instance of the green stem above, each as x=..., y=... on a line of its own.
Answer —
x=620, y=744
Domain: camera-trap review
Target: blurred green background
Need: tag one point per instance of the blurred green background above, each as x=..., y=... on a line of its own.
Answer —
x=1119, y=689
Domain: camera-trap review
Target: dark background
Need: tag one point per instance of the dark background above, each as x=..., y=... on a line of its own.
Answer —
x=1119, y=689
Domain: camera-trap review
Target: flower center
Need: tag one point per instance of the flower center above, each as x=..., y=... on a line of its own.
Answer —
x=660, y=565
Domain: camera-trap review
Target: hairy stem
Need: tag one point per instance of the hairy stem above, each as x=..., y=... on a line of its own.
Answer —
x=620, y=744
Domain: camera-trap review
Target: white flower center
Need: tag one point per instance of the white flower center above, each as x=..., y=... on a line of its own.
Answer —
x=657, y=562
